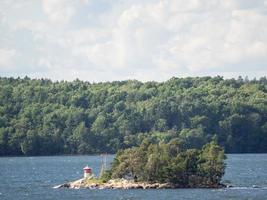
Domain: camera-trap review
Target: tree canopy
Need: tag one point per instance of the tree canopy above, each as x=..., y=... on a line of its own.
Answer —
x=169, y=163
x=41, y=117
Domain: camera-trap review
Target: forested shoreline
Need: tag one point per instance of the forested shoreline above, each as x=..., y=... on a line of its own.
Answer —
x=41, y=117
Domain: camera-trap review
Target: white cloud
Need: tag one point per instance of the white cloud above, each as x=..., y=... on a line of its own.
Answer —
x=59, y=11
x=6, y=56
x=151, y=40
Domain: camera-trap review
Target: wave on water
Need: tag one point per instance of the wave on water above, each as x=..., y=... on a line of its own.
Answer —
x=248, y=188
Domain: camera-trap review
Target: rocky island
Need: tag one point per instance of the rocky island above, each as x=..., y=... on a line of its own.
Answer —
x=125, y=184
x=158, y=166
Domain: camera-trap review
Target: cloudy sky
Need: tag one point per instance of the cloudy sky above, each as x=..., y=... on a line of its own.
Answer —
x=104, y=40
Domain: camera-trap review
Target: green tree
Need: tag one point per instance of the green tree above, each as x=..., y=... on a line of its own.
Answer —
x=212, y=162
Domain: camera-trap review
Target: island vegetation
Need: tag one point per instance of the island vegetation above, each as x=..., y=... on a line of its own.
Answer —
x=42, y=117
x=160, y=165
x=170, y=163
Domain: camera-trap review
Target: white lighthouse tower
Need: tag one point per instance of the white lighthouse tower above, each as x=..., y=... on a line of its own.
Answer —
x=87, y=172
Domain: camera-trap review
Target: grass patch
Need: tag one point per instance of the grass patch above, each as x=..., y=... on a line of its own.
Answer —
x=93, y=180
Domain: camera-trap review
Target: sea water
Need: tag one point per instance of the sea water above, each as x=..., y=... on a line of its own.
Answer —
x=35, y=177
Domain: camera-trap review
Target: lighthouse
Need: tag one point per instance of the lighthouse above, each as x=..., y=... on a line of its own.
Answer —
x=87, y=172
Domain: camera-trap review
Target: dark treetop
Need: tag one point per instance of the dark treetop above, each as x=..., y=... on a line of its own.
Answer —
x=41, y=117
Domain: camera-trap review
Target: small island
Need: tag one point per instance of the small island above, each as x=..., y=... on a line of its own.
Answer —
x=160, y=165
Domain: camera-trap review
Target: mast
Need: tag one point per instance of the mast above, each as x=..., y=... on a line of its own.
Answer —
x=103, y=163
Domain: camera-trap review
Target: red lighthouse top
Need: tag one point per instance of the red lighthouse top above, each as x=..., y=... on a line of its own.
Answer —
x=87, y=169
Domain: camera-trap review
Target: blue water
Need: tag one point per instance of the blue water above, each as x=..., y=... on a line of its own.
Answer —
x=34, y=178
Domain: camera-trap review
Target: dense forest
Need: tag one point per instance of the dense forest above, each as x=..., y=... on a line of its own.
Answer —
x=42, y=117
x=169, y=163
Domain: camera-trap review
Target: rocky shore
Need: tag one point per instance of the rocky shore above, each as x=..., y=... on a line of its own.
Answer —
x=121, y=184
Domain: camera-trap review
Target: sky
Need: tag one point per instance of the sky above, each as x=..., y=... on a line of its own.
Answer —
x=106, y=40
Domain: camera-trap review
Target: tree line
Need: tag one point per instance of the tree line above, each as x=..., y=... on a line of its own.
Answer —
x=42, y=117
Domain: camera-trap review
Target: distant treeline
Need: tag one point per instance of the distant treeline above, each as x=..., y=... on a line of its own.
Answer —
x=41, y=117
